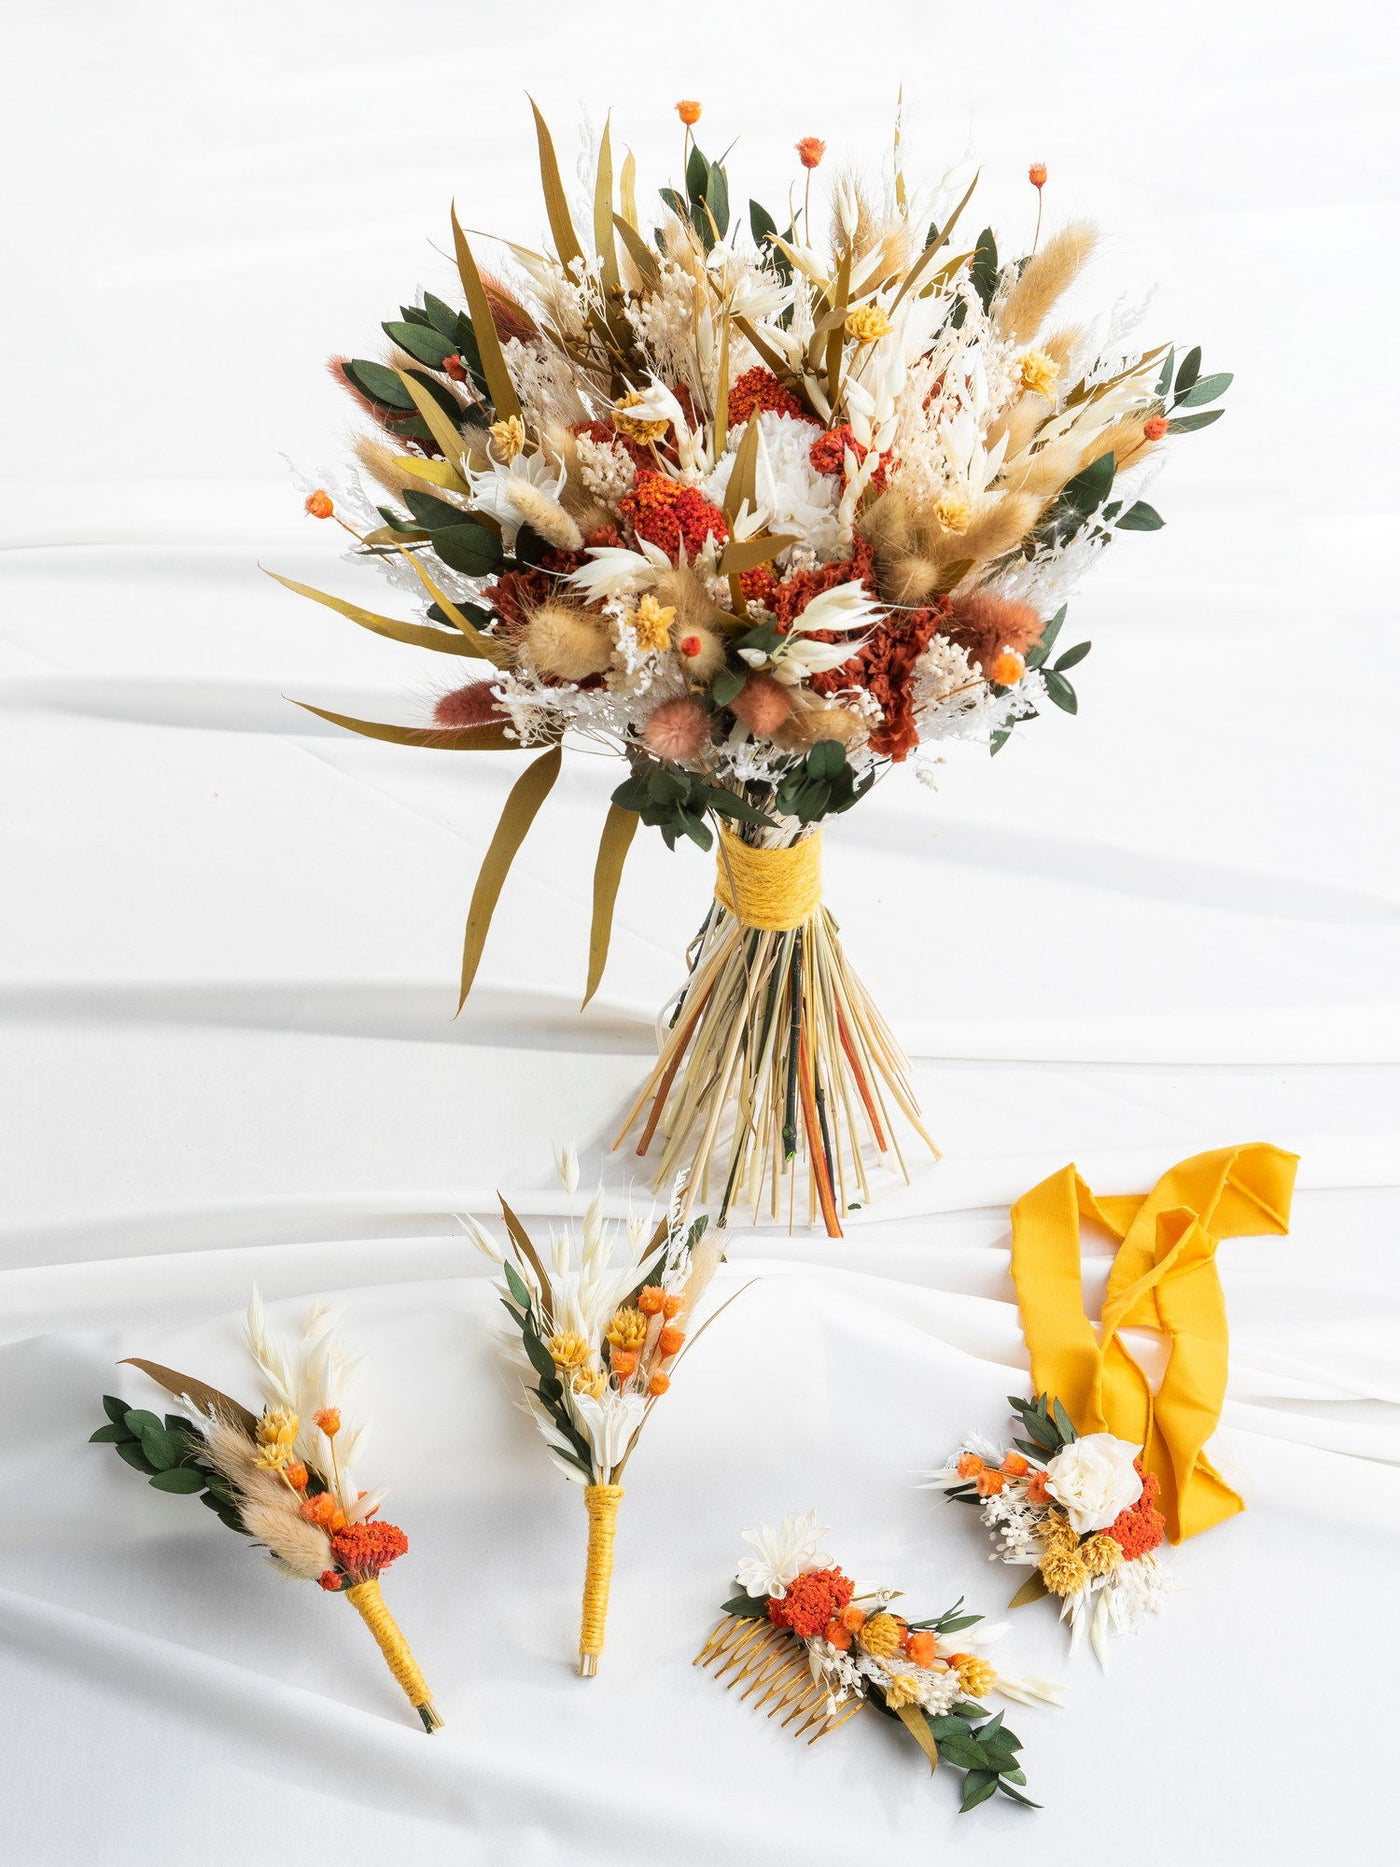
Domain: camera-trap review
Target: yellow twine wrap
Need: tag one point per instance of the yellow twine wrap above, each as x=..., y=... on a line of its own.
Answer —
x=368, y=1602
x=602, y=1502
x=772, y=889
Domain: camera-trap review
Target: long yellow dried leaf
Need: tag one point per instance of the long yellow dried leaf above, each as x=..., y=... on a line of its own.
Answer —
x=556, y=202
x=747, y=553
x=483, y=645
x=627, y=190
x=604, y=240
x=642, y=256
x=619, y=827
x=528, y=792
x=493, y=365
x=433, y=739
x=435, y=472
x=440, y=425
x=915, y=1722
x=743, y=475
x=939, y=241
x=412, y=634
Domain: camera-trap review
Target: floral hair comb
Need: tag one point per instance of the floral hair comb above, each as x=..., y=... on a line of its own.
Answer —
x=815, y=1648
x=281, y=1476
x=600, y=1316
x=1078, y=1509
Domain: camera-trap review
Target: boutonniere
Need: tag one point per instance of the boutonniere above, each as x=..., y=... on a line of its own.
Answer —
x=811, y=1647
x=280, y=1475
x=1079, y=1510
x=601, y=1313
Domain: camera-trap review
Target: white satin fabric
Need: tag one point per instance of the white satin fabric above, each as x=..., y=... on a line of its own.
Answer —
x=231, y=934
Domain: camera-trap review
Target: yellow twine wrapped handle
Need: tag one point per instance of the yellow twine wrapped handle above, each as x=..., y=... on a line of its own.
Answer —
x=368, y=1602
x=771, y=889
x=602, y=1502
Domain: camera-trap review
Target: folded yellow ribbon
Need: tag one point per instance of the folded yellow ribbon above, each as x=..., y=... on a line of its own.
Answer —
x=1164, y=1277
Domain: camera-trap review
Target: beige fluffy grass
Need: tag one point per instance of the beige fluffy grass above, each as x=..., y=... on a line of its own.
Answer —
x=1047, y=277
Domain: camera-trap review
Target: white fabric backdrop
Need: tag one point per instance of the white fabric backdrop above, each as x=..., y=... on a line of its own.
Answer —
x=230, y=938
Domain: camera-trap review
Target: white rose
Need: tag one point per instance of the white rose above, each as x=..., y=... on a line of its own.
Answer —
x=1094, y=1479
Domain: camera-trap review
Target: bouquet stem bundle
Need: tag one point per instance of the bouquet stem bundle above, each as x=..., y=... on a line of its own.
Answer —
x=776, y=1031
x=601, y=1502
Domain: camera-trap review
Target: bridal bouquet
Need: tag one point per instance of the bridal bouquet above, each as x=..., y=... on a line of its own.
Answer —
x=762, y=505
x=281, y=1475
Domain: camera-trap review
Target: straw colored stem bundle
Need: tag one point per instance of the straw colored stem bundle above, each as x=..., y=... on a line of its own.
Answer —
x=776, y=1047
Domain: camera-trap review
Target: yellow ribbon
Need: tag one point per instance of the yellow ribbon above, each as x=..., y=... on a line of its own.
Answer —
x=771, y=889
x=1164, y=1277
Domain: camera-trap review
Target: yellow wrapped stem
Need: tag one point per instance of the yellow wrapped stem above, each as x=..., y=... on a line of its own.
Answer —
x=771, y=889
x=367, y=1601
x=602, y=1502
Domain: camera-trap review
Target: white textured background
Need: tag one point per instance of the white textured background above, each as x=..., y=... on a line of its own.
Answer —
x=229, y=940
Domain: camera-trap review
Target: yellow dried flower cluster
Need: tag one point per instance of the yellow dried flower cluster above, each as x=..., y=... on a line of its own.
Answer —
x=1063, y=1573
x=508, y=437
x=903, y=1689
x=1056, y=1536
x=636, y=427
x=567, y=1349
x=628, y=1329
x=651, y=624
x=953, y=513
x=1100, y=1554
x=867, y=324
x=976, y=1676
x=276, y=1435
x=881, y=1635
x=1039, y=373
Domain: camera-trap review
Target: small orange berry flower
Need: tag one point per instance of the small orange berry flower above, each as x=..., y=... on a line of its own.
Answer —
x=623, y=1363
x=969, y=1465
x=838, y=1634
x=673, y=1304
x=922, y=1648
x=1155, y=427
x=1014, y=1466
x=658, y=1384
x=853, y=1619
x=320, y=504
x=810, y=150
x=1038, y=1488
x=296, y=1475
x=1007, y=668
x=689, y=112
x=323, y=1510
x=652, y=1300
x=1038, y=174
x=670, y=1340
x=454, y=367
x=990, y=1483
x=328, y=1419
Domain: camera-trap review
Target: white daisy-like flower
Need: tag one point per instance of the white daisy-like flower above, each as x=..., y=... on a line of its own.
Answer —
x=525, y=490
x=781, y=1555
x=615, y=574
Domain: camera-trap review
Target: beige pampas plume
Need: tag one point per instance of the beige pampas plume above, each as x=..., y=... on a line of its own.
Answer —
x=1047, y=277
x=813, y=719
x=566, y=642
x=545, y=516
x=998, y=525
x=378, y=462
x=1059, y=346
x=269, y=1508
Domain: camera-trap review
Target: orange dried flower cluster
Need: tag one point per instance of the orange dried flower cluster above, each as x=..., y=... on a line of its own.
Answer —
x=991, y=1480
x=676, y=518
x=324, y=1509
x=1142, y=1526
x=320, y=504
x=828, y=454
x=363, y=1549
x=1155, y=427
x=814, y=1599
x=810, y=150
x=758, y=390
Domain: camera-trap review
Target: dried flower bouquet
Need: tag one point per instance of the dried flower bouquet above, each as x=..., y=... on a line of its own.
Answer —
x=761, y=513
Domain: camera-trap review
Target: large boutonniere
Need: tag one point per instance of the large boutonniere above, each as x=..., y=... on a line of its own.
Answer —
x=601, y=1312
x=281, y=1475
x=1079, y=1510
x=811, y=1647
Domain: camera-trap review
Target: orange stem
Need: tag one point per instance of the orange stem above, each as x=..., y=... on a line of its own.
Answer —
x=814, y=1138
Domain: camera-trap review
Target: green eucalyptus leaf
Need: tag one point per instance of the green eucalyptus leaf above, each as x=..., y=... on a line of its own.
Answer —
x=1141, y=517
x=131, y=1451
x=1060, y=691
x=747, y=1607
x=381, y=385
x=1072, y=656
x=422, y=342
x=1206, y=390
x=516, y=1285
x=116, y=1410
x=1189, y=371
x=432, y=512
x=472, y=549
x=111, y=1435
x=1188, y=424
x=180, y=1479
x=977, y=1786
